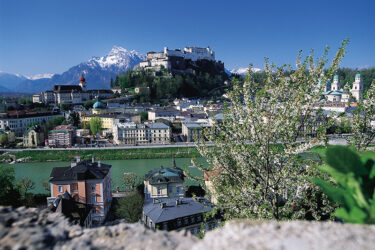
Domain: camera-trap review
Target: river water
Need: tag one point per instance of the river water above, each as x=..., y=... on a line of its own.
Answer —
x=40, y=171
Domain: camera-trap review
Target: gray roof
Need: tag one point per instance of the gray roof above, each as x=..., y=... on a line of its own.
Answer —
x=158, y=125
x=83, y=170
x=172, y=211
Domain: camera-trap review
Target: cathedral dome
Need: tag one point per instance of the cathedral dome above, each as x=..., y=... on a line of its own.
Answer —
x=99, y=105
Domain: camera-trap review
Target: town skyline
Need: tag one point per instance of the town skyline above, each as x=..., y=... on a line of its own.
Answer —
x=52, y=37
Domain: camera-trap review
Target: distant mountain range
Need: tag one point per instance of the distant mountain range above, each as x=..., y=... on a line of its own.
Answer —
x=243, y=71
x=98, y=72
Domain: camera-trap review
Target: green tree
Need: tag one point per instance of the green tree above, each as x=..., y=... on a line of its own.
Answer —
x=74, y=119
x=95, y=125
x=255, y=158
x=4, y=139
x=88, y=104
x=9, y=193
x=130, y=207
x=355, y=184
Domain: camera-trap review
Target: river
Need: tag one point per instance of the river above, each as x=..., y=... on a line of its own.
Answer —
x=40, y=171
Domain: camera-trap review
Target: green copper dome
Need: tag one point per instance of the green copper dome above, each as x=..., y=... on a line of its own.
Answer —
x=99, y=105
x=358, y=75
x=336, y=77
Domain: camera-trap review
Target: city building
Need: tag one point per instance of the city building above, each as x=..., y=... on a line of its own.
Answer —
x=62, y=136
x=33, y=137
x=70, y=94
x=130, y=133
x=18, y=120
x=164, y=182
x=88, y=182
x=109, y=119
x=78, y=213
x=164, y=113
x=193, y=129
x=178, y=214
x=335, y=93
x=165, y=206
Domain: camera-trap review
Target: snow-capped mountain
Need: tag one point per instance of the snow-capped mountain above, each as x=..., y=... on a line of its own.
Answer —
x=243, y=71
x=39, y=76
x=98, y=72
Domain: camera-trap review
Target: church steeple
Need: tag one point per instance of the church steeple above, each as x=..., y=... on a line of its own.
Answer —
x=82, y=82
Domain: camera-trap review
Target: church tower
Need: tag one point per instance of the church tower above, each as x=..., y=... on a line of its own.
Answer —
x=82, y=83
x=357, y=87
x=336, y=84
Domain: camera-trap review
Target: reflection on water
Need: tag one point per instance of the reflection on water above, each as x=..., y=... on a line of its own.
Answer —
x=40, y=171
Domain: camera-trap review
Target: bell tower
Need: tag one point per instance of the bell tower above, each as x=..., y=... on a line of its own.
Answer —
x=336, y=83
x=357, y=87
x=82, y=83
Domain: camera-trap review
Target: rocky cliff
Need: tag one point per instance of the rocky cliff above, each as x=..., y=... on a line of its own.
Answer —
x=24, y=228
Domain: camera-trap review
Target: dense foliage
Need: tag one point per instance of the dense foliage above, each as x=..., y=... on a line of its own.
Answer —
x=263, y=179
x=347, y=75
x=363, y=133
x=355, y=184
x=95, y=125
x=130, y=207
x=163, y=85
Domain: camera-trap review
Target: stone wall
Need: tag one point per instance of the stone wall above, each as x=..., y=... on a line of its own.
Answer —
x=35, y=229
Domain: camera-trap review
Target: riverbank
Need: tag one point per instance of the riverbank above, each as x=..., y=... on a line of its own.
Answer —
x=104, y=154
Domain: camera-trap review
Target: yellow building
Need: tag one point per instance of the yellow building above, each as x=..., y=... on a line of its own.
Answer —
x=107, y=120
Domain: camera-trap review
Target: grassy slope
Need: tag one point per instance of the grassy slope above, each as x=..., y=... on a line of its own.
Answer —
x=105, y=154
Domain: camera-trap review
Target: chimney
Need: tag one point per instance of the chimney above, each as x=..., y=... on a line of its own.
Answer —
x=93, y=159
x=78, y=159
x=99, y=164
x=73, y=164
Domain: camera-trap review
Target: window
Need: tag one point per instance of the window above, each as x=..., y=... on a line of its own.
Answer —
x=179, y=222
x=177, y=189
x=93, y=198
x=61, y=189
x=186, y=221
x=159, y=190
x=93, y=187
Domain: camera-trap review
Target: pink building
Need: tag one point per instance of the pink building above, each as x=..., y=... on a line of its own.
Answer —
x=88, y=182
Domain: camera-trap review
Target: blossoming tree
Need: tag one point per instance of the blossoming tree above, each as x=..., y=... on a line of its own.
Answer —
x=255, y=157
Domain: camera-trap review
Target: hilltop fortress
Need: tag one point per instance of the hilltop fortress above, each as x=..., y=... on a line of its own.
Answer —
x=178, y=61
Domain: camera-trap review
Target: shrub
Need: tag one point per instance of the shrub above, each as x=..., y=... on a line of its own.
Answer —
x=355, y=179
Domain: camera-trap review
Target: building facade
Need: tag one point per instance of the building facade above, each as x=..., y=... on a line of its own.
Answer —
x=165, y=206
x=70, y=94
x=18, y=121
x=62, y=136
x=33, y=137
x=130, y=133
x=88, y=182
x=335, y=93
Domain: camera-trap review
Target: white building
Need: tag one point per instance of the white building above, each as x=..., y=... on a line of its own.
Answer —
x=334, y=92
x=17, y=121
x=70, y=94
x=130, y=133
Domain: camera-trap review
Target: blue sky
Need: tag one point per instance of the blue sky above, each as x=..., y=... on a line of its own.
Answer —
x=50, y=36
